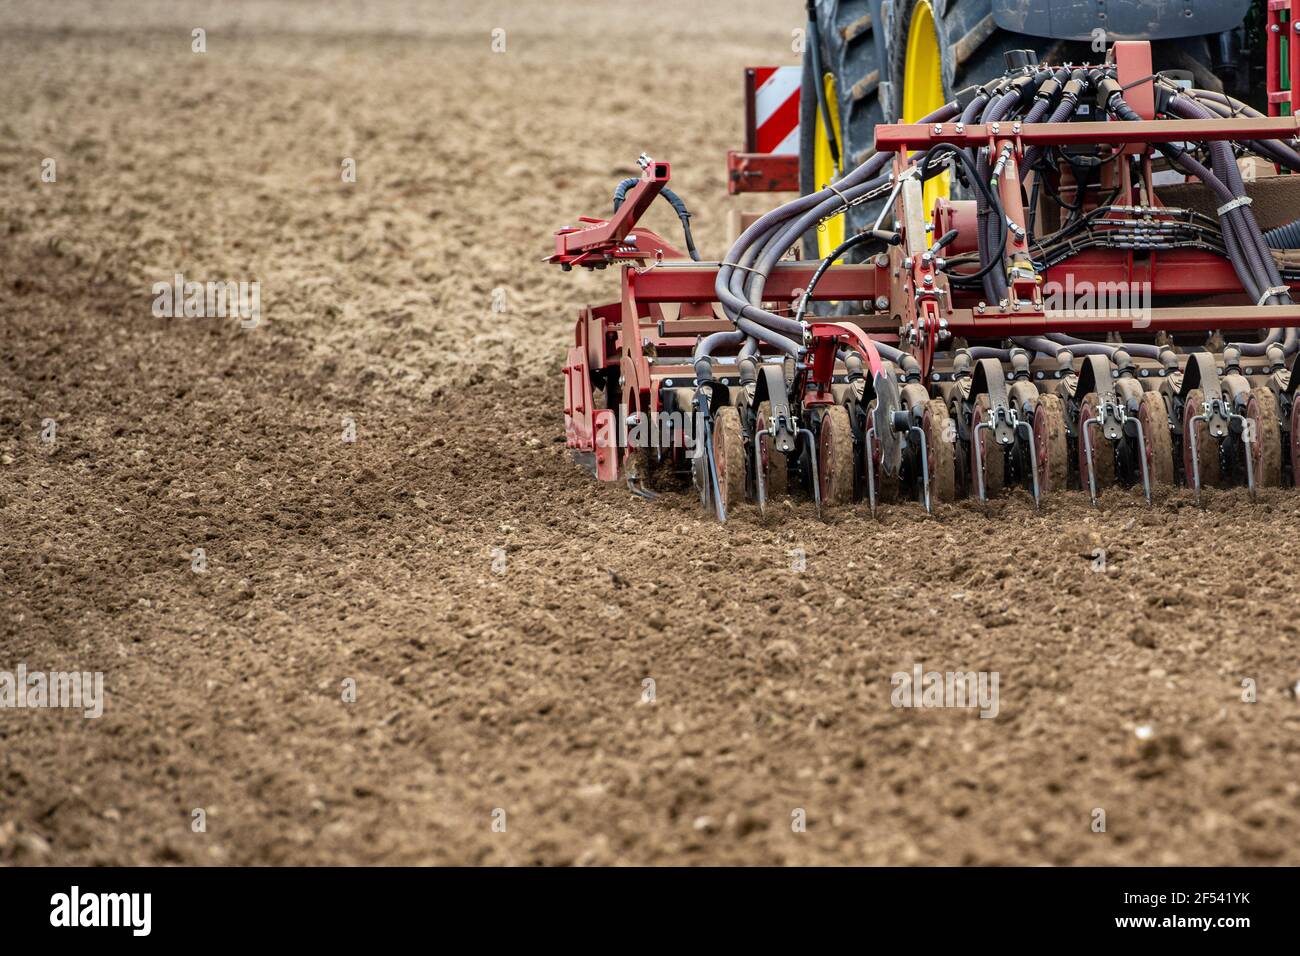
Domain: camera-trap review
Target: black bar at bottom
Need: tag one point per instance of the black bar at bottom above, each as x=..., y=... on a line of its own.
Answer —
x=457, y=906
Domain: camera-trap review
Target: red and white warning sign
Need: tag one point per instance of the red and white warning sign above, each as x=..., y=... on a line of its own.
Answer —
x=770, y=160
x=776, y=109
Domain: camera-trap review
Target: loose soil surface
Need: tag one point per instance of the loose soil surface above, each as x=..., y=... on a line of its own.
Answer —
x=498, y=611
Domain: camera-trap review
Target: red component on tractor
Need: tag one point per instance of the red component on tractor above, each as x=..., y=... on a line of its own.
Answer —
x=770, y=159
x=1104, y=308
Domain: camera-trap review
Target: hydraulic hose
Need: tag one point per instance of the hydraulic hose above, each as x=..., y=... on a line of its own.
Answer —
x=1248, y=234
x=742, y=275
x=1226, y=106
x=989, y=227
x=848, y=244
x=1245, y=245
x=986, y=193
x=1284, y=237
x=620, y=193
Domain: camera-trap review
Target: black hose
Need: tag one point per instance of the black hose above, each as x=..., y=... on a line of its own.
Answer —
x=995, y=283
x=1248, y=233
x=815, y=50
x=990, y=197
x=850, y=243
x=1242, y=238
x=1284, y=237
x=620, y=194
x=1276, y=150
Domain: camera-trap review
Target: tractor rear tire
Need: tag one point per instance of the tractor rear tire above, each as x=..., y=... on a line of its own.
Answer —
x=867, y=61
x=972, y=49
x=852, y=54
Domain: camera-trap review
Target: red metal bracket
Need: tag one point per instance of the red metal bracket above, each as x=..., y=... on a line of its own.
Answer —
x=1132, y=59
x=1280, y=30
x=825, y=334
x=602, y=241
x=761, y=173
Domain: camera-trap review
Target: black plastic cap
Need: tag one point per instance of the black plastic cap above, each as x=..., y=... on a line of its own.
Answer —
x=1019, y=59
x=1106, y=88
x=965, y=97
x=1163, y=95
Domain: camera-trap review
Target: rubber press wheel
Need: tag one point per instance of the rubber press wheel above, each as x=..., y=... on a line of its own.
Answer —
x=641, y=463
x=729, y=454
x=1051, y=444
x=1266, y=449
x=1154, y=416
x=940, y=441
x=1103, y=452
x=835, y=456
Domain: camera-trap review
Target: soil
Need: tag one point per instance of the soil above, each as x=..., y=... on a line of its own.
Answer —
x=498, y=611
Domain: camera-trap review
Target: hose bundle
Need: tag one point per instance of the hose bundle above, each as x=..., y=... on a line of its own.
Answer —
x=1026, y=95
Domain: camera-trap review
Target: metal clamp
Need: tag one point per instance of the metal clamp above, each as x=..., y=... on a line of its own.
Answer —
x=1033, y=459
x=816, y=475
x=1232, y=204
x=925, y=466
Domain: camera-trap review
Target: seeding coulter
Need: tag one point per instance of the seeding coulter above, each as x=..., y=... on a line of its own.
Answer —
x=1077, y=321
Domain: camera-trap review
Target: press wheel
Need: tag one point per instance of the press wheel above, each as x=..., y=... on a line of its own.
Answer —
x=835, y=456
x=1154, y=417
x=729, y=454
x=1051, y=444
x=940, y=437
x=1266, y=449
